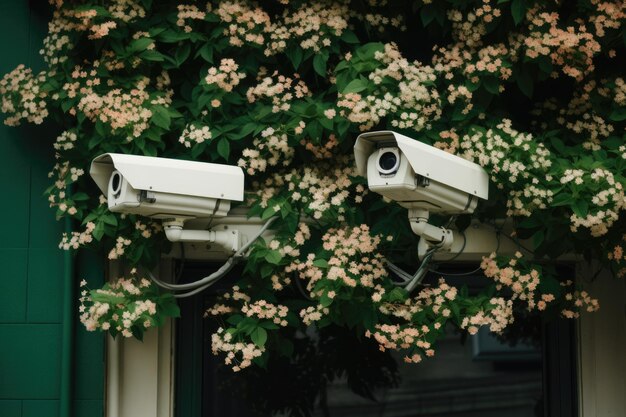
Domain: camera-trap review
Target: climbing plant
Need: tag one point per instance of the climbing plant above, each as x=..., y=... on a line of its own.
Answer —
x=533, y=91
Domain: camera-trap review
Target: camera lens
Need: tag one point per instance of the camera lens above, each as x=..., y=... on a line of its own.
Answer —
x=116, y=183
x=388, y=161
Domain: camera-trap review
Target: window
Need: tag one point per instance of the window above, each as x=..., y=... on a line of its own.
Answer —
x=531, y=373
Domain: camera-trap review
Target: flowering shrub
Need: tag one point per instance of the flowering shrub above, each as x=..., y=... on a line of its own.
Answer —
x=530, y=90
x=127, y=306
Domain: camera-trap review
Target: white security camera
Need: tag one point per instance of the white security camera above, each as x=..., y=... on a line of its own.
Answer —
x=174, y=191
x=164, y=188
x=421, y=178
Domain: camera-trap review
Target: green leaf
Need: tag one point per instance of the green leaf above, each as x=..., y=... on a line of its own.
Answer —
x=349, y=37
x=269, y=325
x=355, y=86
x=397, y=294
x=110, y=219
x=98, y=231
x=169, y=306
x=320, y=263
x=319, y=64
x=152, y=55
x=295, y=56
x=206, y=52
x=618, y=115
x=247, y=129
x=140, y=44
x=182, y=53
x=492, y=85
x=562, y=199
x=518, y=10
x=326, y=122
x=161, y=117
x=273, y=257
x=428, y=14
x=325, y=300
x=235, y=319
x=269, y=212
x=80, y=197
x=525, y=82
x=266, y=270
x=580, y=208
x=259, y=337
x=223, y=148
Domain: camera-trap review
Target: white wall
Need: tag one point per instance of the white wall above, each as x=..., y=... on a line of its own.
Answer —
x=602, y=348
x=140, y=375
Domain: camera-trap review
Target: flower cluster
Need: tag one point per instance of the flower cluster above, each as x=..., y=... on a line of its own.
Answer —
x=263, y=310
x=244, y=24
x=123, y=110
x=514, y=160
x=351, y=266
x=396, y=337
x=313, y=26
x=617, y=256
x=58, y=195
x=424, y=316
x=235, y=297
x=280, y=91
x=321, y=190
x=225, y=76
x=398, y=89
x=238, y=354
x=607, y=199
x=497, y=315
x=271, y=149
x=324, y=151
x=126, y=11
x=65, y=141
x=75, y=240
x=571, y=48
x=121, y=244
x=194, y=134
x=522, y=283
x=23, y=96
x=188, y=12
x=576, y=301
x=126, y=306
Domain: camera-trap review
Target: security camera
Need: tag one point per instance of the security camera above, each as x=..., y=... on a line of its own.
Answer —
x=174, y=191
x=421, y=178
x=164, y=188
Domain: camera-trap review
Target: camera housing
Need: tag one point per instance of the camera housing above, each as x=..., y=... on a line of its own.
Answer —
x=419, y=176
x=164, y=188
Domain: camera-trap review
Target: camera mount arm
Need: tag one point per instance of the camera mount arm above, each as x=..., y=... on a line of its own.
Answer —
x=435, y=237
x=175, y=232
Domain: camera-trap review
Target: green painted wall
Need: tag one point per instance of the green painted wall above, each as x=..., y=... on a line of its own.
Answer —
x=31, y=265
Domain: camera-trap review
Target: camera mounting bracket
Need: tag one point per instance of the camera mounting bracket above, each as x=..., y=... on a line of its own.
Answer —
x=228, y=239
x=435, y=237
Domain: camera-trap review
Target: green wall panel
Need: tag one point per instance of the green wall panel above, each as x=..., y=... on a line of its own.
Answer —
x=29, y=360
x=10, y=408
x=89, y=353
x=45, y=286
x=40, y=408
x=88, y=408
x=32, y=274
x=15, y=207
x=44, y=230
x=13, y=284
x=14, y=26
